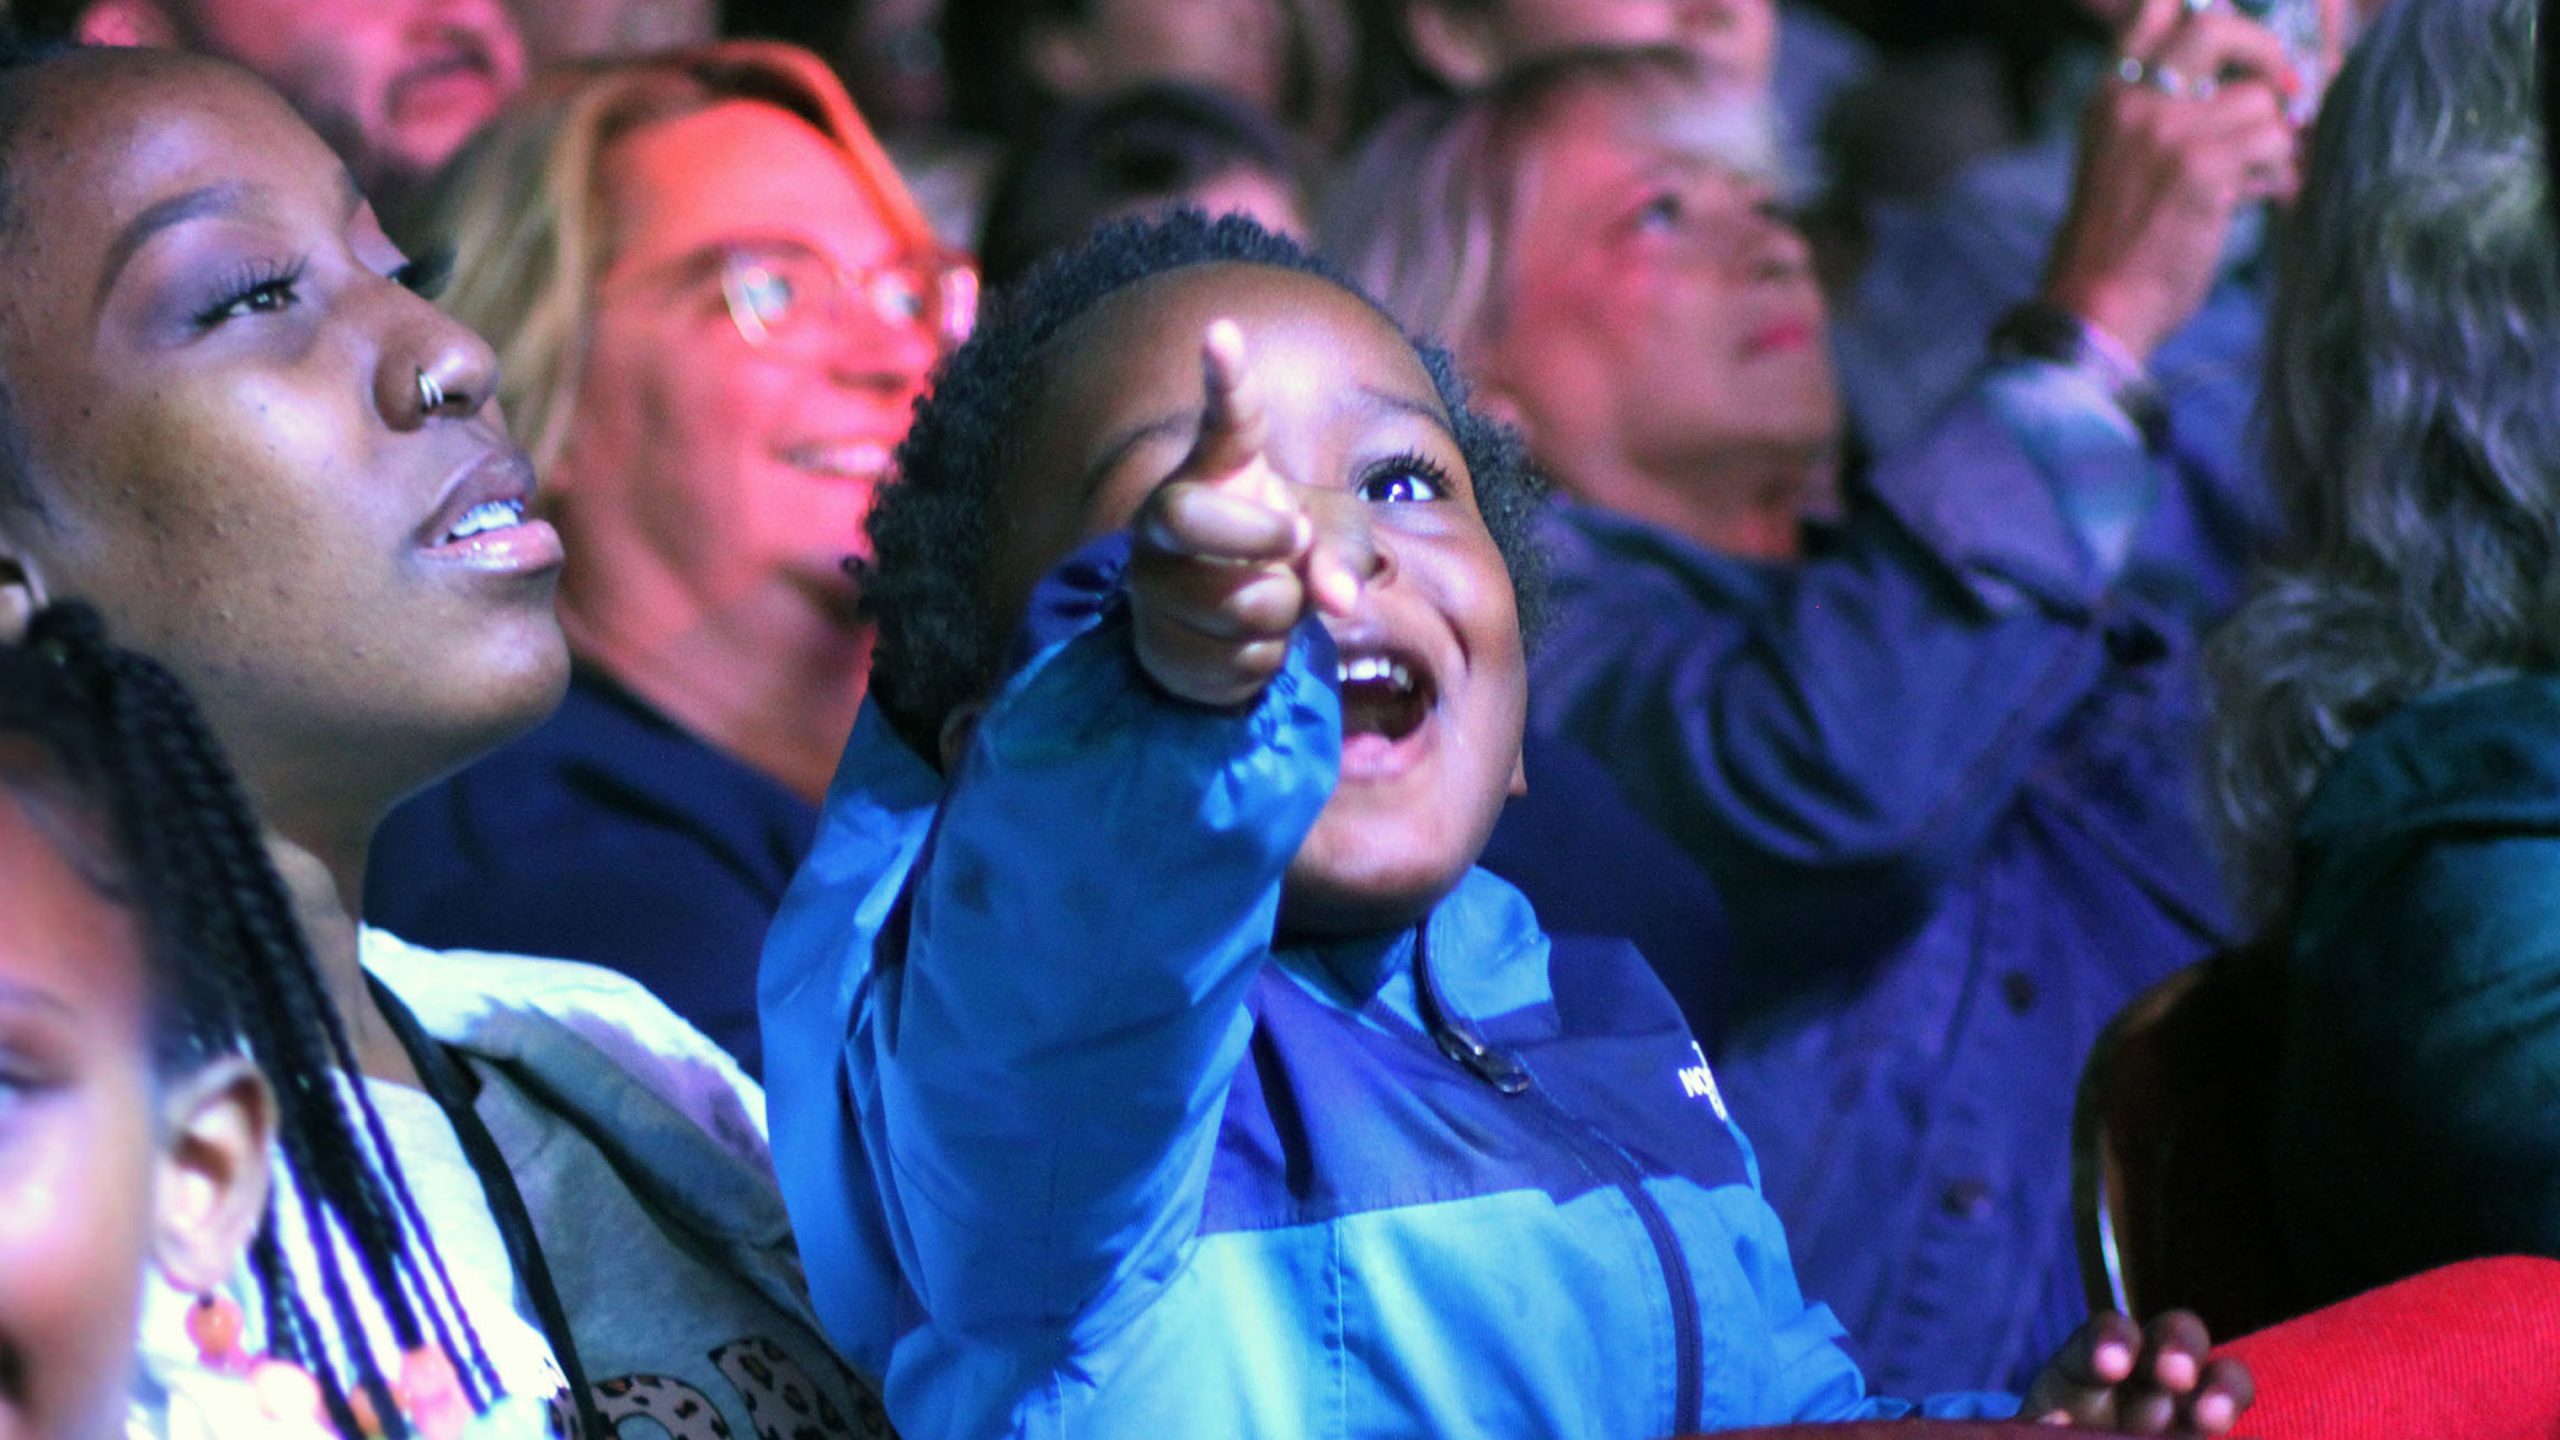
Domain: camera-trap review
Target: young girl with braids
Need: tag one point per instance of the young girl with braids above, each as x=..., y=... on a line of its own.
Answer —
x=146, y=998
x=234, y=427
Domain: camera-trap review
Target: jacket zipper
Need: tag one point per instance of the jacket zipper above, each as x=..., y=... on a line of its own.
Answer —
x=1460, y=1043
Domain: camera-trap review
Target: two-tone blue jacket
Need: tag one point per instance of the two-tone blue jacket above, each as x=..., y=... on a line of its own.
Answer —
x=1074, y=1149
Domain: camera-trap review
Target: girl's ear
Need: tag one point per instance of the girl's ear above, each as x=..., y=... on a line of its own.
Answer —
x=218, y=1130
x=1520, y=774
x=21, y=596
x=22, y=587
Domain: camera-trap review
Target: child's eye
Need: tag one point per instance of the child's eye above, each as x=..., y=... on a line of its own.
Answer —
x=260, y=289
x=1406, y=479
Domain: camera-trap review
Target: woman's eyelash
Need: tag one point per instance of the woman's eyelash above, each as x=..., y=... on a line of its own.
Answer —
x=428, y=274
x=244, y=286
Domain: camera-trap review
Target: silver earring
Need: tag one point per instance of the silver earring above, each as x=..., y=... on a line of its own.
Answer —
x=430, y=393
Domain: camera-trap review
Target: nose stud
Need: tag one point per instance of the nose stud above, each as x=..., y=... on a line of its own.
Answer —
x=430, y=393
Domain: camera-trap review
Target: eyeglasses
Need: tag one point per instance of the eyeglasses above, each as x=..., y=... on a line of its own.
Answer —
x=788, y=297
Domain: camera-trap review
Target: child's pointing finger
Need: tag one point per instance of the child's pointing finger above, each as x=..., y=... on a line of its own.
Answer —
x=1231, y=420
x=1195, y=520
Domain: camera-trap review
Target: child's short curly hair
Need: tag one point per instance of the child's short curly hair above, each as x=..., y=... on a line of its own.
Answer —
x=934, y=533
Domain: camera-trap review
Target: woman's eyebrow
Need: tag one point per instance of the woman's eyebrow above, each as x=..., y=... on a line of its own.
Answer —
x=159, y=215
x=24, y=998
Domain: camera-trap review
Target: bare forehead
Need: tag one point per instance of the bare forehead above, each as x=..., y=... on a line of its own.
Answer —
x=97, y=135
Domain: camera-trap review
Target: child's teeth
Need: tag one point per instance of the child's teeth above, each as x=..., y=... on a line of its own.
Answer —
x=1374, y=667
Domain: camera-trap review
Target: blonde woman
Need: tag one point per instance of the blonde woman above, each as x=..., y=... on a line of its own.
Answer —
x=714, y=305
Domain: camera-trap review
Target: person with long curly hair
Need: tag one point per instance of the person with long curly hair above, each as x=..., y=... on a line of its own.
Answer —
x=2387, y=756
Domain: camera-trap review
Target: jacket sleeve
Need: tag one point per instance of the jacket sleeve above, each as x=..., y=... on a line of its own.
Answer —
x=1058, y=1011
x=1833, y=743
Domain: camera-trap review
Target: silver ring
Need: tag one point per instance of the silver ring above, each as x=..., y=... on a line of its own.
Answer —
x=2197, y=7
x=430, y=393
x=2166, y=79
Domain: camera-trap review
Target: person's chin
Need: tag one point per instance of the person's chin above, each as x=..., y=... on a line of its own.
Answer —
x=1375, y=889
x=516, y=686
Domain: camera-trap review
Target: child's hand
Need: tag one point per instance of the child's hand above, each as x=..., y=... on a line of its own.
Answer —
x=2155, y=1382
x=1228, y=556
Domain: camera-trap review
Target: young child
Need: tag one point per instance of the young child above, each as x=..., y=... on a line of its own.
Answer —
x=158, y=1035
x=1162, y=1054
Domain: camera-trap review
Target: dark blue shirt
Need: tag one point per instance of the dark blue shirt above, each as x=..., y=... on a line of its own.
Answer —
x=1942, y=778
x=609, y=835
x=1592, y=866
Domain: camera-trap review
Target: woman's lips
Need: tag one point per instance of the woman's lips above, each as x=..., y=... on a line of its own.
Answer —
x=1778, y=337
x=482, y=520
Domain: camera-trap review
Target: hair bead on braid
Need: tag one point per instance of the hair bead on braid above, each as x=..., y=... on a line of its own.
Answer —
x=232, y=974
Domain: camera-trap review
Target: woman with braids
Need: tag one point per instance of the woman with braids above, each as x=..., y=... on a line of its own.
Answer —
x=2388, y=746
x=145, y=998
x=234, y=428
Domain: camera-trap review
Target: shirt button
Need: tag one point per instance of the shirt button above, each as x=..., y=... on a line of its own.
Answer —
x=2019, y=989
x=1967, y=1199
x=2133, y=644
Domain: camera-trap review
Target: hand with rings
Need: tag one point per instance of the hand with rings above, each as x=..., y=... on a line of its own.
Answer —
x=2167, y=79
x=2195, y=129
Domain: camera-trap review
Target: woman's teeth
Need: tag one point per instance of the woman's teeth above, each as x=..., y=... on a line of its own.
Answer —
x=486, y=516
x=856, y=460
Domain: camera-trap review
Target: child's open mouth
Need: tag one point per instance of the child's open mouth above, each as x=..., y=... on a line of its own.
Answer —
x=1385, y=700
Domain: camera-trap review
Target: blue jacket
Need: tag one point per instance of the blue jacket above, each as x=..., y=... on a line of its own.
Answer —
x=1073, y=1149
x=2418, y=1114
x=1941, y=775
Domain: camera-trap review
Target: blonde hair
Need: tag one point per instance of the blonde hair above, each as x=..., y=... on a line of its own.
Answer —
x=1424, y=215
x=524, y=204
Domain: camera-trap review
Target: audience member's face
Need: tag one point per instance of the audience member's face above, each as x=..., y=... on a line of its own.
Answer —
x=1238, y=46
x=893, y=63
x=1656, y=306
x=395, y=85
x=77, y=1131
x=557, y=30
x=730, y=472
x=1353, y=417
x=1735, y=40
x=215, y=382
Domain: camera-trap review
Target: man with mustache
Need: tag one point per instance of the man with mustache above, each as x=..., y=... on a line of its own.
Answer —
x=394, y=86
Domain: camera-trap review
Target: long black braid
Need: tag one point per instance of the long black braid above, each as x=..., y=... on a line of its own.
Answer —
x=235, y=974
